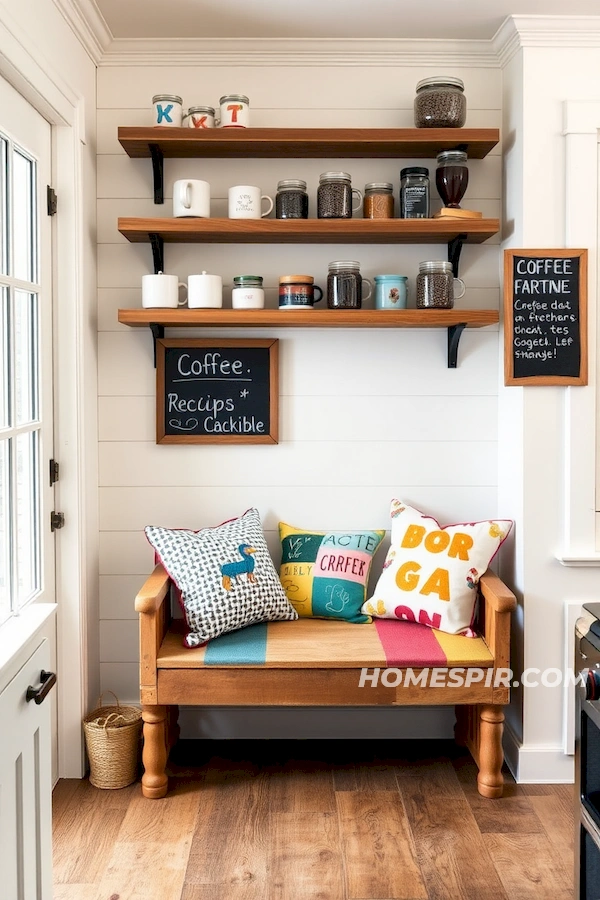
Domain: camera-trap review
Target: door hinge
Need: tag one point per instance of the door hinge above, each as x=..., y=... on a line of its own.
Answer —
x=57, y=520
x=52, y=201
x=54, y=472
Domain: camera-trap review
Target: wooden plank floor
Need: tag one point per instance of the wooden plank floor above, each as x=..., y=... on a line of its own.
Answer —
x=319, y=820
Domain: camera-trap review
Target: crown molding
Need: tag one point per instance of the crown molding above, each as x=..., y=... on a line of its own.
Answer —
x=88, y=24
x=517, y=32
x=353, y=52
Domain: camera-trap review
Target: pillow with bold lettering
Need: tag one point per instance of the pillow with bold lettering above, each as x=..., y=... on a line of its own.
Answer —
x=225, y=576
x=325, y=573
x=431, y=573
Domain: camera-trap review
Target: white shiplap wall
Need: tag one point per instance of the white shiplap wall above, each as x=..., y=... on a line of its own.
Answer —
x=365, y=415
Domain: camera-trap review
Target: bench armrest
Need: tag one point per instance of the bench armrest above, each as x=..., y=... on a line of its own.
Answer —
x=154, y=609
x=153, y=591
x=497, y=604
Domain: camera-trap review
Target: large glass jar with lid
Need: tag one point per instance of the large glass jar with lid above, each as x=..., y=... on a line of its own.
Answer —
x=291, y=200
x=334, y=196
x=440, y=103
x=436, y=285
x=345, y=285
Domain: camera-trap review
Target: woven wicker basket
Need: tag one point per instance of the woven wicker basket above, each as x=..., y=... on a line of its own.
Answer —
x=112, y=738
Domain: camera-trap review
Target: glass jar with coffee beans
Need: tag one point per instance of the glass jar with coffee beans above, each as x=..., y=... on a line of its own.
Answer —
x=414, y=192
x=291, y=200
x=435, y=285
x=334, y=196
x=379, y=200
x=440, y=103
x=345, y=285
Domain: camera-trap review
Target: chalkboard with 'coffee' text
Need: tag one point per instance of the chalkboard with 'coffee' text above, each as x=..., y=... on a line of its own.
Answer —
x=216, y=391
x=545, y=317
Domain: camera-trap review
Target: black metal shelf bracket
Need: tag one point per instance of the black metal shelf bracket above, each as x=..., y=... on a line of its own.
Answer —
x=158, y=333
x=158, y=253
x=158, y=173
x=454, y=248
x=454, y=335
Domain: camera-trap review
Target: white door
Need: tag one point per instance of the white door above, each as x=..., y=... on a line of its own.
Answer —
x=26, y=383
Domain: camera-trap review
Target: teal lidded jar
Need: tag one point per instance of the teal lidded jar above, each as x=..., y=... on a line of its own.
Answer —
x=391, y=291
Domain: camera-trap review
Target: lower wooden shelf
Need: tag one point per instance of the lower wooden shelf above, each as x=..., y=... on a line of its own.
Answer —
x=308, y=318
x=455, y=320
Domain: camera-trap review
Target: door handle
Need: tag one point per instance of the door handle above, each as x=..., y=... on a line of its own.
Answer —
x=39, y=694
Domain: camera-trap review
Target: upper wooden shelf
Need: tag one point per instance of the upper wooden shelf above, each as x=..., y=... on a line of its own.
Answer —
x=308, y=231
x=313, y=143
x=309, y=318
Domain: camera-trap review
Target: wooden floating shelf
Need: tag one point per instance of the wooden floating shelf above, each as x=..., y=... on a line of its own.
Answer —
x=157, y=143
x=309, y=318
x=308, y=231
x=307, y=143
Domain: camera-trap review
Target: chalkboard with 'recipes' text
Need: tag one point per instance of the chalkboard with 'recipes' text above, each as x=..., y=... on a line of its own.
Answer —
x=545, y=317
x=217, y=391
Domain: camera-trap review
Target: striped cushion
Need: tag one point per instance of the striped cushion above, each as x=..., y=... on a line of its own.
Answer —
x=328, y=644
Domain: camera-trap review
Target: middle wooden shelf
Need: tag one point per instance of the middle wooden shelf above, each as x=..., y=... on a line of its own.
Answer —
x=308, y=231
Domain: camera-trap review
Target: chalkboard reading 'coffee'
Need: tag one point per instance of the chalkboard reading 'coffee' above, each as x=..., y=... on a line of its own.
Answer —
x=211, y=391
x=545, y=313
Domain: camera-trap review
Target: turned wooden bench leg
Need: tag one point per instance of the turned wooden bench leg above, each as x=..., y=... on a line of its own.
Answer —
x=154, y=752
x=490, y=781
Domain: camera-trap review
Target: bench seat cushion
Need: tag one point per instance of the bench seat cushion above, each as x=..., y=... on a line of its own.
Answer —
x=316, y=643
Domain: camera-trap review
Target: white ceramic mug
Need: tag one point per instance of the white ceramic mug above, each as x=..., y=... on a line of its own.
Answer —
x=191, y=198
x=161, y=291
x=205, y=291
x=245, y=201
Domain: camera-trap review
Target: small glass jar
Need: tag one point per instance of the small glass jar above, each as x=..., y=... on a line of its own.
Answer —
x=345, y=285
x=379, y=200
x=452, y=177
x=414, y=193
x=235, y=111
x=199, y=117
x=291, y=200
x=440, y=103
x=168, y=110
x=247, y=292
x=435, y=285
x=334, y=196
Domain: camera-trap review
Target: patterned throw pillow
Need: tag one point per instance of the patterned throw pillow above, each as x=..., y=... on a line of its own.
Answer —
x=225, y=576
x=325, y=574
x=431, y=573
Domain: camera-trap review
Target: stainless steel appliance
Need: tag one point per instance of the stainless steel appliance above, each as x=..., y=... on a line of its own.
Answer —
x=587, y=755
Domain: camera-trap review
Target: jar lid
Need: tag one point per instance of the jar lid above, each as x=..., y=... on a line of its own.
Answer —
x=239, y=97
x=441, y=81
x=342, y=264
x=247, y=279
x=455, y=156
x=436, y=265
x=414, y=170
x=379, y=186
x=200, y=109
x=289, y=184
x=334, y=176
x=390, y=277
x=172, y=97
x=296, y=279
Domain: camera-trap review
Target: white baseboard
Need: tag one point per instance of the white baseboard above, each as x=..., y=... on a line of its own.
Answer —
x=537, y=765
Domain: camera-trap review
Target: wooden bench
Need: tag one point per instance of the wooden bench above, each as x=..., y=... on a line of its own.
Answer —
x=316, y=662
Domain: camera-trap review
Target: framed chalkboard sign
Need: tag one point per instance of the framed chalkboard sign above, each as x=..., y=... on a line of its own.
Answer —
x=217, y=391
x=545, y=317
